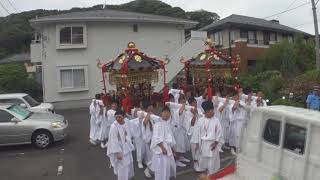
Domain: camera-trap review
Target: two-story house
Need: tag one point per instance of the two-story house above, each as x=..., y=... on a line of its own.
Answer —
x=68, y=46
x=249, y=37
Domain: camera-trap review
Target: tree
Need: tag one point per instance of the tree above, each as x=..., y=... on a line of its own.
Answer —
x=301, y=86
x=16, y=32
x=203, y=17
x=14, y=79
x=290, y=59
x=269, y=82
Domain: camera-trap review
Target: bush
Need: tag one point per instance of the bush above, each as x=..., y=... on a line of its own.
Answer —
x=269, y=82
x=12, y=76
x=14, y=79
x=287, y=103
x=291, y=59
x=302, y=85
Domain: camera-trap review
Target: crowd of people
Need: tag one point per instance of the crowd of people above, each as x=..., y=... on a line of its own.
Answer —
x=201, y=125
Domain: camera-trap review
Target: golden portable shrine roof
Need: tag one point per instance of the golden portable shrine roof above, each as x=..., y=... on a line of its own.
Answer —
x=210, y=57
x=136, y=61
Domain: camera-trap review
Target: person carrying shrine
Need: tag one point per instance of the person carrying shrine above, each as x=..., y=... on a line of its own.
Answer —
x=222, y=112
x=192, y=120
x=207, y=136
x=120, y=147
x=163, y=148
x=237, y=118
x=148, y=120
x=96, y=113
x=175, y=91
x=178, y=122
x=105, y=125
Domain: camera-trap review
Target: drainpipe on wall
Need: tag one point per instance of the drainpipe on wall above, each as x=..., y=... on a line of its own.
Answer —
x=230, y=49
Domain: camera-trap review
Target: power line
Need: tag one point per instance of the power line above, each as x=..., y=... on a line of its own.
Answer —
x=287, y=10
x=13, y=6
x=5, y=9
x=291, y=4
x=288, y=7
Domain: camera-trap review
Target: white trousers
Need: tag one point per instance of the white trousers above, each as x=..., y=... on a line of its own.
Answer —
x=124, y=173
x=163, y=166
x=140, y=149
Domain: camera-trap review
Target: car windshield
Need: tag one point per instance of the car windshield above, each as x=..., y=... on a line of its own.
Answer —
x=32, y=102
x=19, y=112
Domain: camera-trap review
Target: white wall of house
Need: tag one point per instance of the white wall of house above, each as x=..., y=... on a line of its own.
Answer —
x=104, y=40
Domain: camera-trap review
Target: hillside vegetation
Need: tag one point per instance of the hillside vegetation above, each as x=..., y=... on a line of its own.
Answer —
x=16, y=32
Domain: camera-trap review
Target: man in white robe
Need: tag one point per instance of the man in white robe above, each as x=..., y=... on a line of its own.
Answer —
x=222, y=112
x=192, y=120
x=237, y=119
x=137, y=136
x=178, y=126
x=179, y=130
x=120, y=147
x=96, y=113
x=105, y=125
x=147, y=121
x=175, y=92
x=207, y=136
x=162, y=145
x=201, y=99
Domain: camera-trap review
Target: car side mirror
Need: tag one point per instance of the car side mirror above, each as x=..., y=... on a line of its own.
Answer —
x=15, y=120
x=23, y=105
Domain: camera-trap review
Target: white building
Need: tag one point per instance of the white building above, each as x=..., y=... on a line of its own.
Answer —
x=69, y=45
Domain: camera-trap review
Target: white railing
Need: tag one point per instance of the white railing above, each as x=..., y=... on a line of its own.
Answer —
x=35, y=52
x=192, y=47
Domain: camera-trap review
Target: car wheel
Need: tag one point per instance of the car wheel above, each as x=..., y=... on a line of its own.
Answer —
x=42, y=139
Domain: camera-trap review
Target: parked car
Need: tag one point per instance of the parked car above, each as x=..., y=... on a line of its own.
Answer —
x=26, y=101
x=21, y=126
x=279, y=142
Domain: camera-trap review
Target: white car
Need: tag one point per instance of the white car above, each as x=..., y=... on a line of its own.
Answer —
x=279, y=142
x=26, y=101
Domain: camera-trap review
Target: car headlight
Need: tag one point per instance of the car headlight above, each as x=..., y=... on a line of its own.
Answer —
x=57, y=124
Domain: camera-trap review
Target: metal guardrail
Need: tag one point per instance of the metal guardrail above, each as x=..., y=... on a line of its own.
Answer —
x=259, y=42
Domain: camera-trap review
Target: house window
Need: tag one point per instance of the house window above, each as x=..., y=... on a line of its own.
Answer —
x=73, y=78
x=290, y=38
x=272, y=132
x=218, y=39
x=295, y=138
x=266, y=38
x=135, y=28
x=244, y=34
x=273, y=37
x=71, y=35
x=232, y=37
x=36, y=38
x=252, y=37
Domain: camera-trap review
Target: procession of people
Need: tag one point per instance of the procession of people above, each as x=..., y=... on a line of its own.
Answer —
x=200, y=117
x=202, y=125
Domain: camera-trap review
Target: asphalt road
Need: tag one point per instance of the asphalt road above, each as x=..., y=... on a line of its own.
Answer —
x=77, y=159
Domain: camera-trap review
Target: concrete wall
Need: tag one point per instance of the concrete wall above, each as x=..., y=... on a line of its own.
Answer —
x=105, y=40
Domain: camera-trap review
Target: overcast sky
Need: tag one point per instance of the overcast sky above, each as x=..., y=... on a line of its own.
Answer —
x=300, y=18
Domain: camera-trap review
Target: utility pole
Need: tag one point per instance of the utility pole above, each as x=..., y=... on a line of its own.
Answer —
x=316, y=31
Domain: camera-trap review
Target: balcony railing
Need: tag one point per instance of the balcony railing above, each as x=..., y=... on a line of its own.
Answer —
x=35, y=49
x=258, y=42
